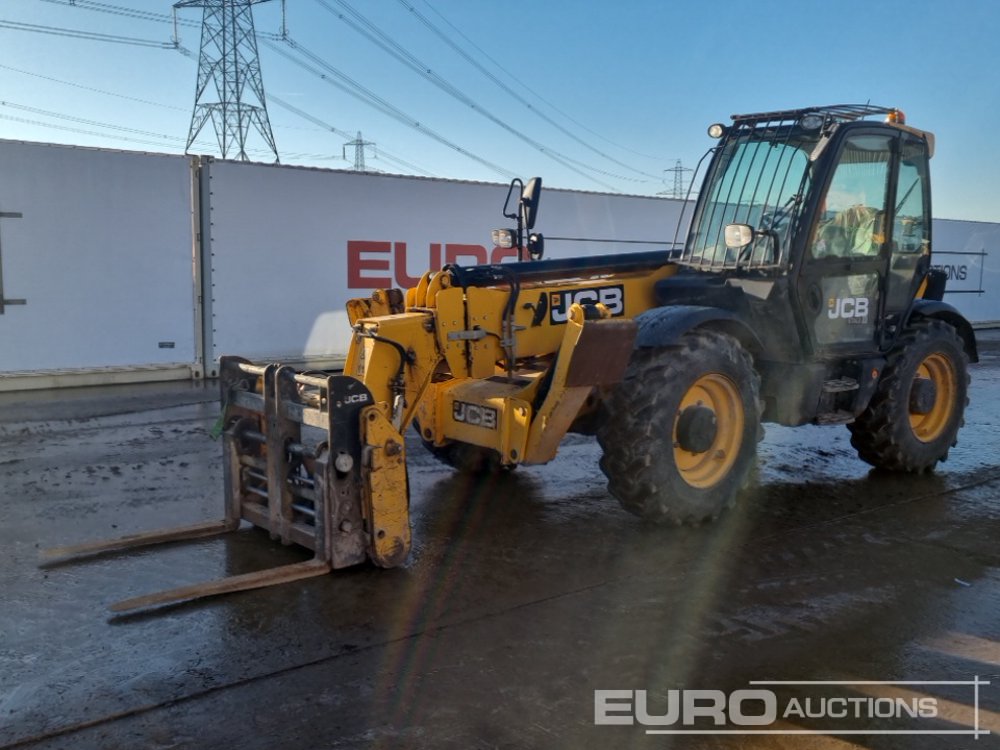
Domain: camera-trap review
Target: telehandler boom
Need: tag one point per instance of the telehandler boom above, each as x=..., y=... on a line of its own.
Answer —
x=803, y=293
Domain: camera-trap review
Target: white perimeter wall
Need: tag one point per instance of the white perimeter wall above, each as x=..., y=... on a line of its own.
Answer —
x=102, y=255
x=105, y=254
x=969, y=252
x=289, y=246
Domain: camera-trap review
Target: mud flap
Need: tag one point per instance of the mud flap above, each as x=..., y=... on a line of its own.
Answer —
x=602, y=352
x=594, y=352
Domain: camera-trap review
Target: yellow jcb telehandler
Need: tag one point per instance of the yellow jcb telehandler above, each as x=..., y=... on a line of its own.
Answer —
x=803, y=293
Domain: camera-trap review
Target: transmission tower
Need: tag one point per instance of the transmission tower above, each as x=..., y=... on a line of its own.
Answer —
x=230, y=90
x=678, y=190
x=359, y=152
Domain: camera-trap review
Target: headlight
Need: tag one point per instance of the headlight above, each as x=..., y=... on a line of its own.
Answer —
x=717, y=130
x=738, y=235
x=812, y=121
x=503, y=238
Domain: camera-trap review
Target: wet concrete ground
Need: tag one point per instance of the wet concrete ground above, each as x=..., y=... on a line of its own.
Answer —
x=523, y=595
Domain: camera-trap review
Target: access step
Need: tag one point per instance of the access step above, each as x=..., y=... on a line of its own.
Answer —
x=840, y=385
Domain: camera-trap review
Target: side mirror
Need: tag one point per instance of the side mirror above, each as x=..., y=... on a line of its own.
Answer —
x=738, y=235
x=524, y=215
x=529, y=202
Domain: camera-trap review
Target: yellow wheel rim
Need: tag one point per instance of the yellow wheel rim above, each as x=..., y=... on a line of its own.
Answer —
x=721, y=395
x=939, y=370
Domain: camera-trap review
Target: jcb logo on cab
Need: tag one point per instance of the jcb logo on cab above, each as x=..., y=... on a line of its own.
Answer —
x=847, y=308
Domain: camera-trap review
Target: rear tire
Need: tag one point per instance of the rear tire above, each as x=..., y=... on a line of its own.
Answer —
x=896, y=431
x=680, y=435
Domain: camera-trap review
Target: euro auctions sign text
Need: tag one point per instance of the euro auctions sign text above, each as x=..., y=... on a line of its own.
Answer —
x=382, y=264
x=817, y=707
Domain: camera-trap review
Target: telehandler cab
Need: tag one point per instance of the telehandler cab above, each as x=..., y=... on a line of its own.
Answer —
x=803, y=293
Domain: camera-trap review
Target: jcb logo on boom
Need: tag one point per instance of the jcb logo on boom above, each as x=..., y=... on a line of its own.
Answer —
x=852, y=309
x=612, y=297
x=474, y=414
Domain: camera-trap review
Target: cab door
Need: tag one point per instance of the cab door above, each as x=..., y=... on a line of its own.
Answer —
x=909, y=242
x=841, y=283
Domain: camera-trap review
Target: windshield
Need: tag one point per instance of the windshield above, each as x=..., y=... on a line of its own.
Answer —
x=758, y=178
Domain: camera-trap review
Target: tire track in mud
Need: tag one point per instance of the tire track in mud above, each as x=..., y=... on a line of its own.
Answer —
x=791, y=581
x=793, y=574
x=792, y=592
x=799, y=585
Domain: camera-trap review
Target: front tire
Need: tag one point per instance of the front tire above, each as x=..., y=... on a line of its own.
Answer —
x=680, y=435
x=919, y=404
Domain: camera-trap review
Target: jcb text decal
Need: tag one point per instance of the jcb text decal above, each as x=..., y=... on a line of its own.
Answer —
x=851, y=309
x=474, y=414
x=612, y=297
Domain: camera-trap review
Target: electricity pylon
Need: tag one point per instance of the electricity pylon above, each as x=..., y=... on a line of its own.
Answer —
x=678, y=172
x=230, y=90
x=359, y=151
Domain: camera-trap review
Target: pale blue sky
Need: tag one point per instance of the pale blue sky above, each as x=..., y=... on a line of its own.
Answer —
x=630, y=86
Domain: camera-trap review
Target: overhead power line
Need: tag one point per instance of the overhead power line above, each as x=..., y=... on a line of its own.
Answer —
x=323, y=70
x=369, y=30
x=85, y=121
x=80, y=34
x=343, y=133
x=331, y=75
x=139, y=100
x=531, y=91
x=94, y=90
x=471, y=59
x=118, y=10
x=81, y=131
x=159, y=139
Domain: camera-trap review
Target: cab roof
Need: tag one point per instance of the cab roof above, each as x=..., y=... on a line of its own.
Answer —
x=841, y=112
x=833, y=114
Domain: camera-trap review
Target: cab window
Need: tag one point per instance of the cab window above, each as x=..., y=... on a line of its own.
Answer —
x=851, y=222
x=911, y=229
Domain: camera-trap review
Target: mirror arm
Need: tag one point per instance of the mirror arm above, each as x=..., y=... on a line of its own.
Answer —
x=510, y=191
